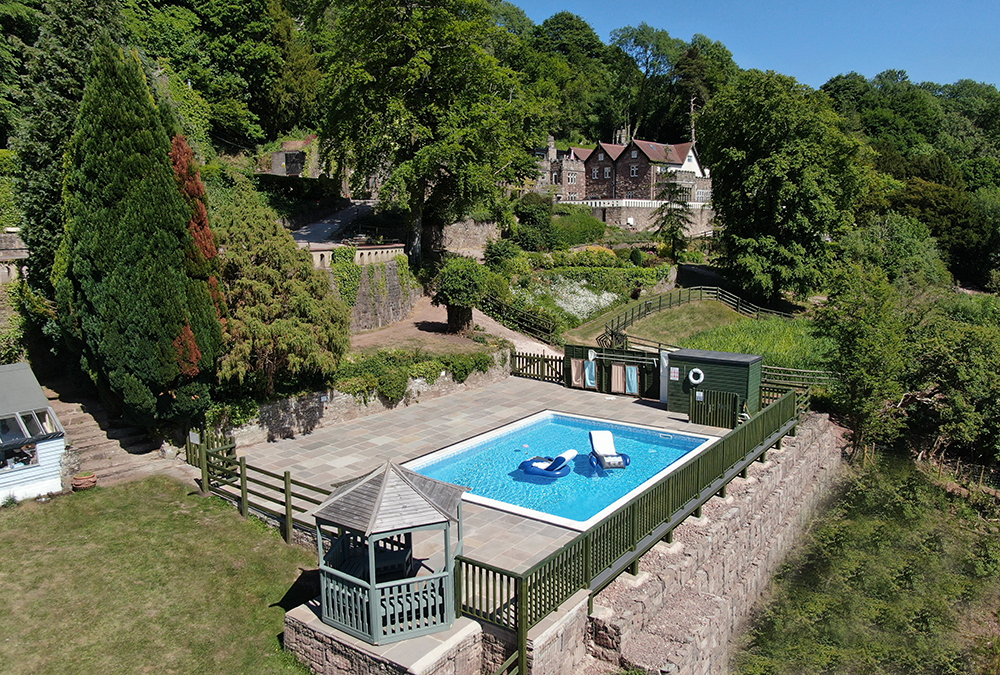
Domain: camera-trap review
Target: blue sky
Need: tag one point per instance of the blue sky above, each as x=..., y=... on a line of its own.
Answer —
x=813, y=40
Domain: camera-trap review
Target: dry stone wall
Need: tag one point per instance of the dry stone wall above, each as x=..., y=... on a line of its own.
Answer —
x=694, y=597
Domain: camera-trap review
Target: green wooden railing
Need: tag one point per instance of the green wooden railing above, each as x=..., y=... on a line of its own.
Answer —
x=536, y=326
x=795, y=378
x=277, y=495
x=518, y=601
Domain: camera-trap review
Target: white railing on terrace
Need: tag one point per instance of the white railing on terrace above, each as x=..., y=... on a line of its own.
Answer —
x=624, y=203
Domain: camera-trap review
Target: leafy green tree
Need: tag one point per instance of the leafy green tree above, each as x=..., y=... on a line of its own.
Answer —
x=286, y=328
x=863, y=320
x=460, y=286
x=672, y=217
x=642, y=79
x=786, y=181
x=53, y=88
x=413, y=94
x=146, y=329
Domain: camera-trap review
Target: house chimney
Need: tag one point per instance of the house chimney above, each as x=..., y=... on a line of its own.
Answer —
x=551, y=152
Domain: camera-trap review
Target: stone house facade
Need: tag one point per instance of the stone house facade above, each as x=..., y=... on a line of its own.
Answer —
x=561, y=172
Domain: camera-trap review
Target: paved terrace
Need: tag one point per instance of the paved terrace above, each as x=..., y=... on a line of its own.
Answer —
x=342, y=451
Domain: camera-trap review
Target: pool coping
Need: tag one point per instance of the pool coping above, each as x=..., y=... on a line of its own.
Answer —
x=560, y=521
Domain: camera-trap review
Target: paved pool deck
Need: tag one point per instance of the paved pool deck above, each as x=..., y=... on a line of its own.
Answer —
x=345, y=450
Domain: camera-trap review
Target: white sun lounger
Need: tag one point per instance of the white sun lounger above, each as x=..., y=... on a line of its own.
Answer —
x=602, y=444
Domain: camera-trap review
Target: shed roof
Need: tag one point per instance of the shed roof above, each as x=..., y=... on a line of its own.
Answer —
x=714, y=357
x=19, y=390
x=389, y=499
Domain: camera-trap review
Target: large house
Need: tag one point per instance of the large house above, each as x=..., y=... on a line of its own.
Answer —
x=632, y=171
x=621, y=182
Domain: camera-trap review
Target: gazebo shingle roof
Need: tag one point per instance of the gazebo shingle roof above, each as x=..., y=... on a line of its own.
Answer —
x=388, y=499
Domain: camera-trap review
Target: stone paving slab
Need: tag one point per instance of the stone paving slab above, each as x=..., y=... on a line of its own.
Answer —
x=343, y=451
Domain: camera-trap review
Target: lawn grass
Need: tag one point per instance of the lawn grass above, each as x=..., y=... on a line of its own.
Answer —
x=785, y=343
x=142, y=577
x=673, y=326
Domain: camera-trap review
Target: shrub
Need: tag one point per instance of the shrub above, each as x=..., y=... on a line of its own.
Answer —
x=574, y=225
x=498, y=253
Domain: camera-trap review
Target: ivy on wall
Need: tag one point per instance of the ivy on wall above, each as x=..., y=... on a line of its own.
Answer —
x=346, y=274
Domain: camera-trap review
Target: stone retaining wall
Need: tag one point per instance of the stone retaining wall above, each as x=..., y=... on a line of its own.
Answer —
x=383, y=297
x=693, y=598
x=302, y=414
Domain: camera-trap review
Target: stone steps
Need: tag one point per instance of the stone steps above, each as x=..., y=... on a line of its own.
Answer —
x=100, y=442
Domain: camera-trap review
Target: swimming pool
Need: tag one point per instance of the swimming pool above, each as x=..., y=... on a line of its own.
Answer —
x=488, y=466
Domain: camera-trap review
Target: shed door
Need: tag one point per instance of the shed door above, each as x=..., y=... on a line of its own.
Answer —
x=664, y=376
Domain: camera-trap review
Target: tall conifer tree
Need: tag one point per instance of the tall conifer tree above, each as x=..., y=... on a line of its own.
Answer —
x=56, y=69
x=147, y=329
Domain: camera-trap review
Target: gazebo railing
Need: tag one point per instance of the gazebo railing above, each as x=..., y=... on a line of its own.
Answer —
x=400, y=609
x=413, y=606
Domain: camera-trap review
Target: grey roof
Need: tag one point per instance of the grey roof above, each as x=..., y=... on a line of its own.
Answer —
x=389, y=499
x=715, y=357
x=19, y=390
x=12, y=247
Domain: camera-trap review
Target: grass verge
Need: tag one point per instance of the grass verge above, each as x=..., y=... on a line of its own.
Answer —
x=899, y=577
x=143, y=577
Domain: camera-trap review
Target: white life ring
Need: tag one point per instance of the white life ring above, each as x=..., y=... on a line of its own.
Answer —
x=695, y=376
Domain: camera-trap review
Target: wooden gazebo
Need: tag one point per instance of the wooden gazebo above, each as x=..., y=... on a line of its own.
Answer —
x=364, y=532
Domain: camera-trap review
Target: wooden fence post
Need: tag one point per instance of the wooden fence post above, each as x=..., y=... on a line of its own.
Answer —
x=203, y=458
x=522, y=625
x=244, y=507
x=289, y=527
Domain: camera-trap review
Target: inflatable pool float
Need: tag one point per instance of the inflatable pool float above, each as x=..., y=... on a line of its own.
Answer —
x=549, y=467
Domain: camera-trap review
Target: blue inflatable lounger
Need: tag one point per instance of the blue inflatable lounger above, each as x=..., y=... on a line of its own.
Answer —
x=603, y=454
x=548, y=467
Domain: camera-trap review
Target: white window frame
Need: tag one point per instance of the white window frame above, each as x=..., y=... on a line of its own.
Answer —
x=633, y=170
x=607, y=172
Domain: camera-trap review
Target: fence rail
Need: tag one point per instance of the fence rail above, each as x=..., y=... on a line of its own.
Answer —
x=525, y=322
x=614, y=330
x=796, y=378
x=537, y=367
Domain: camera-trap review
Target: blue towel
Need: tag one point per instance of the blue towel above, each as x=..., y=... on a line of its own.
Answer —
x=632, y=380
x=590, y=374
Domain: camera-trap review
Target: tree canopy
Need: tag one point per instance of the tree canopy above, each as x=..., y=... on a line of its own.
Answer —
x=413, y=97
x=786, y=179
x=143, y=321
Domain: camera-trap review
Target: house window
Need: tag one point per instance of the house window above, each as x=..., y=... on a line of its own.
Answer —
x=17, y=447
x=572, y=178
x=555, y=177
x=607, y=172
x=633, y=171
x=594, y=173
x=600, y=157
x=703, y=195
x=635, y=153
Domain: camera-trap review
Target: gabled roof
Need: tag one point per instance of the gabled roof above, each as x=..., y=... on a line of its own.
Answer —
x=581, y=153
x=679, y=153
x=610, y=149
x=389, y=499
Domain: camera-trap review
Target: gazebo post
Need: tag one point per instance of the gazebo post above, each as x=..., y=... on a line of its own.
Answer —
x=373, y=600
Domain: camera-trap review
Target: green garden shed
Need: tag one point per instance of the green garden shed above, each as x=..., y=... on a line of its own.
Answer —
x=692, y=376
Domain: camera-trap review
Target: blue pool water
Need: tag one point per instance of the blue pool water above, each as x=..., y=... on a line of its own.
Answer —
x=488, y=464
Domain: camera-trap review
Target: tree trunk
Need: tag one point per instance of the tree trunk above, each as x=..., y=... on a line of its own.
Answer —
x=459, y=319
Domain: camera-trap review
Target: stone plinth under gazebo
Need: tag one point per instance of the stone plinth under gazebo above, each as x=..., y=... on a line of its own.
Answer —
x=370, y=587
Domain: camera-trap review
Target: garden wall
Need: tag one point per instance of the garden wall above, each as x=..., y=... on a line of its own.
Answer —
x=384, y=297
x=302, y=414
x=693, y=598
x=469, y=237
